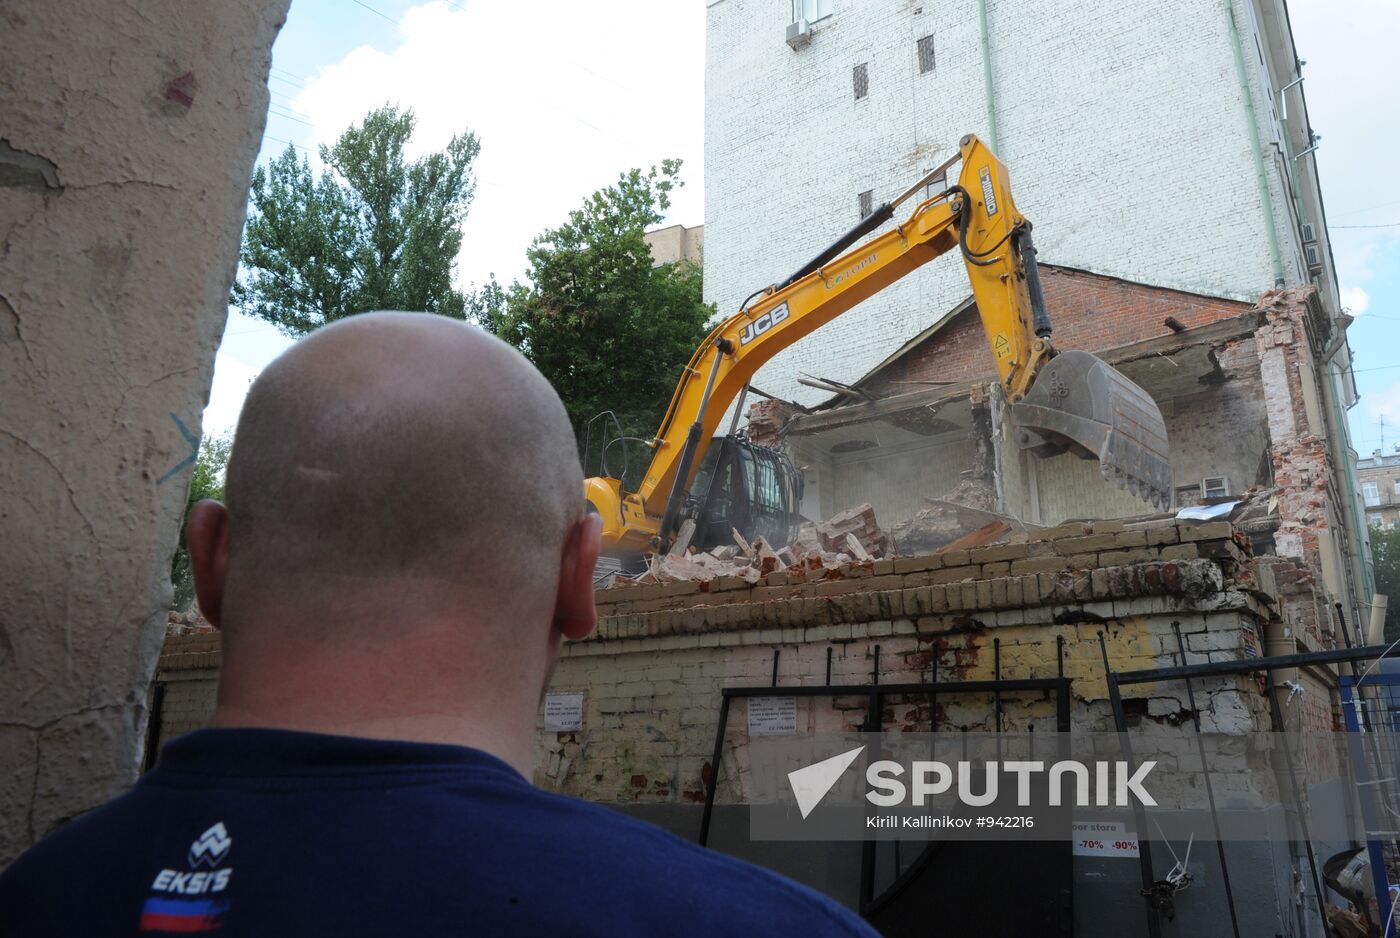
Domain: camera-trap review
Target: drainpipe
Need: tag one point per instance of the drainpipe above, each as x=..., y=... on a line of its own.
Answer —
x=1254, y=143
x=987, y=77
x=1357, y=536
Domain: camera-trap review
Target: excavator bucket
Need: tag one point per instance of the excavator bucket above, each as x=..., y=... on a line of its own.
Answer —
x=1081, y=404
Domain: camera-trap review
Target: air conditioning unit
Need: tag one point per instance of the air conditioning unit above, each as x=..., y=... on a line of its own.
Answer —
x=1309, y=232
x=1313, y=254
x=799, y=34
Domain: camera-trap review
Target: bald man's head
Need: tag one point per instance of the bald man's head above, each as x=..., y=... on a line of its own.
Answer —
x=399, y=447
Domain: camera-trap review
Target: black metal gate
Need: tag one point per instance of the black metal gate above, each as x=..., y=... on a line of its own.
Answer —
x=953, y=887
x=1153, y=891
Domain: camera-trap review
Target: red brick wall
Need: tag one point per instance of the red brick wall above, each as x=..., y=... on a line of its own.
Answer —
x=1088, y=311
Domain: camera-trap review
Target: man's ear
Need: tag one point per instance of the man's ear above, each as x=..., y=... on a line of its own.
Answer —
x=206, y=537
x=574, y=615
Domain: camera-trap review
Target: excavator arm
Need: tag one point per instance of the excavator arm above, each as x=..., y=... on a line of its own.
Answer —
x=1082, y=404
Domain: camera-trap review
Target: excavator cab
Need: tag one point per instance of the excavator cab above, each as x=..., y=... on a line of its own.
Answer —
x=745, y=486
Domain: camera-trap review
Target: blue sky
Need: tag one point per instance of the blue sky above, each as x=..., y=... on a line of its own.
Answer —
x=1353, y=89
x=564, y=98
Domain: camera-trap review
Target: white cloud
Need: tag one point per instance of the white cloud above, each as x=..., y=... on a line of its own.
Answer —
x=231, y=380
x=1355, y=300
x=562, y=96
x=1384, y=403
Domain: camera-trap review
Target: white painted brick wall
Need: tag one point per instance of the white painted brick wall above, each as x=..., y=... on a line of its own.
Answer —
x=1123, y=126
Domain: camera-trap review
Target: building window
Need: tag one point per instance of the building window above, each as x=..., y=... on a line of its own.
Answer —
x=925, y=55
x=811, y=10
x=1370, y=493
x=1373, y=518
x=860, y=80
x=1397, y=488
x=1215, y=487
x=867, y=202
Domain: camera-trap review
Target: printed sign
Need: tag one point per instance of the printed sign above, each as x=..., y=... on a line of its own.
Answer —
x=563, y=712
x=772, y=716
x=1103, y=839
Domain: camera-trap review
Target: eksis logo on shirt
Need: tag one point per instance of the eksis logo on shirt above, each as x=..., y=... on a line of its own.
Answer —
x=162, y=913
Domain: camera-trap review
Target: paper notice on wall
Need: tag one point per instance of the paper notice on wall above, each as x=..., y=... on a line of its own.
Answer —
x=563, y=712
x=772, y=716
x=1103, y=839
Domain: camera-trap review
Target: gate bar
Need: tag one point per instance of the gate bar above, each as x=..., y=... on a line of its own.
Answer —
x=1250, y=665
x=1120, y=722
x=1298, y=802
x=714, y=769
x=1210, y=788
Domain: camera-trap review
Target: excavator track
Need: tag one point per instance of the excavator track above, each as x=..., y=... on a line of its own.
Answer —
x=1081, y=404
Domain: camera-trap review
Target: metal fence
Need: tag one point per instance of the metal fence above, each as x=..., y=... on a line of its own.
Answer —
x=1371, y=724
x=1369, y=701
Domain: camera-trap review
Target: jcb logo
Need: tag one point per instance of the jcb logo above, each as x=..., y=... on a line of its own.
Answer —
x=989, y=194
x=763, y=323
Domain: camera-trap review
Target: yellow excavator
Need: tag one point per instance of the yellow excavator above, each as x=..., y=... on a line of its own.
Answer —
x=1061, y=401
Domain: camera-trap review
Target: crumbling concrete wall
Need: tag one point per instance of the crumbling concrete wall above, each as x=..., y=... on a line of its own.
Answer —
x=652, y=674
x=1302, y=470
x=127, y=138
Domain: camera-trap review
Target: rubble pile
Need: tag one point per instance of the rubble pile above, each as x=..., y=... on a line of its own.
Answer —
x=823, y=550
x=853, y=536
x=187, y=622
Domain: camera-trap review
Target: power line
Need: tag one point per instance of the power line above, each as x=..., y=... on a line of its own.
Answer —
x=287, y=142
x=1369, y=208
x=289, y=117
x=290, y=107
x=375, y=12
x=1392, y=224
x=289, y=77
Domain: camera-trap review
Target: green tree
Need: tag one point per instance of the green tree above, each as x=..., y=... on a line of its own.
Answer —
x=207, y=481
x=610, y=329
x=374, y=231
x=487, y=307
x=1385, y=554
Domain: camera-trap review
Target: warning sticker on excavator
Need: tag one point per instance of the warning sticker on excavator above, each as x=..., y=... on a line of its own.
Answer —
x=1001, y=345
x=989, y=196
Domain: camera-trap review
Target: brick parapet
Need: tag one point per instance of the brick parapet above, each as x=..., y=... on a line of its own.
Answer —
x=1099, y=569
x=196, y=651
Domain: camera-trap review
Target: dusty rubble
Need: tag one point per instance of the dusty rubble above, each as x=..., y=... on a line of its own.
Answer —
x=964, y=510
x=187, y=622
x=956, y=523
x=851, y=536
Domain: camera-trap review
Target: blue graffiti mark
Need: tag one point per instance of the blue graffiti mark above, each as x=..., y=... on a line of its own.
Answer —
x=188, y=460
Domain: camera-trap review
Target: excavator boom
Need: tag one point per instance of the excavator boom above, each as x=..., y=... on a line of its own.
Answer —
x=1070, y=401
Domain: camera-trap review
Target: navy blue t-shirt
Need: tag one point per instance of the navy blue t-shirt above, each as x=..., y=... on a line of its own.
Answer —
x=269, y=832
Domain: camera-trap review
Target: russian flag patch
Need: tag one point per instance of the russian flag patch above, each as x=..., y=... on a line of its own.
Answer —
x=181, y=915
